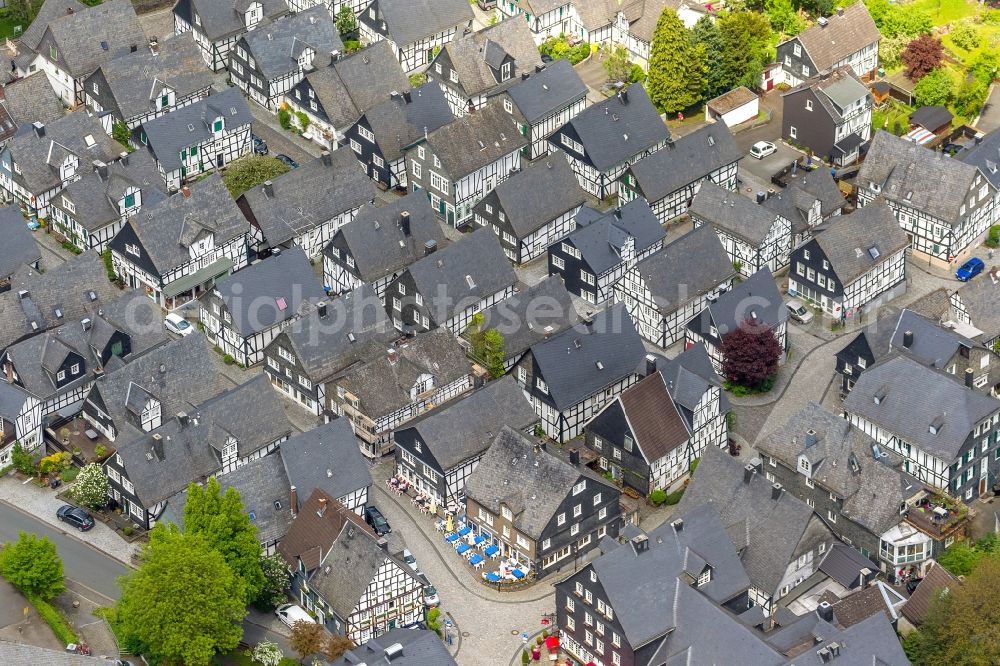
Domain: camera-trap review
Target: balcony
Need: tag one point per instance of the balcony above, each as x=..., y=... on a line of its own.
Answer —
x=937, y=516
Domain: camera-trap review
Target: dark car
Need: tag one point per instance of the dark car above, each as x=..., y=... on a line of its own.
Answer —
x=259, y=145
x=970, y=269
x=377, y=521
x=78, y=518
x=911, y=585
x=287, y=160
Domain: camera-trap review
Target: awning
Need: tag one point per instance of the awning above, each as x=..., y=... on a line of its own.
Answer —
x=192, y=280
x=920, y=136
x=848, y=144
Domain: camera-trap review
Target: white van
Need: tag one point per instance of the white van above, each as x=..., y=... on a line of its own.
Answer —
x=289, y=614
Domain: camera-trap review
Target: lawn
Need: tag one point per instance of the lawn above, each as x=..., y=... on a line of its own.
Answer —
x=8, y=24
x=945, y=11
x=989, y=40
x=887, y=117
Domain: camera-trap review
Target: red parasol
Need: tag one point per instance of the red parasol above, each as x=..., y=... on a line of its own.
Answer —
x=552, y=643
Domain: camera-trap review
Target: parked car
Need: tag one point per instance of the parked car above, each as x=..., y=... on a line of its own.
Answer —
x=911, y=585
x=410, y=560
x=762, y=149
x=287, y=160
x=970, y=269
x=259, y=145
x=798, y=311
x=377, y=521
x=76, y=517
x=289, y=614
x=431, y=598
x=178, y=324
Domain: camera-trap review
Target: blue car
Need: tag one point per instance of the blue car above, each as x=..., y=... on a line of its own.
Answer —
x=970, y=269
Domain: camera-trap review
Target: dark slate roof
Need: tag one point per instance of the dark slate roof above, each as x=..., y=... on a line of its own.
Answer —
x=398, y=123
x=685, y=160
x=305, y=198
x=979, y=299
x=600, y=240
x=842, y=36
x=443, y=277
x=382, y=385
x=932, y=345
x=136, y=80
x=686, y=269
x=353, y=85
x=655, y=421
x=320, y=521
x=757, y=295
x=935, y=582
x=475, y=140
x=328, y=458
x=12, y=399
x=270, y=292
x=408, y=21
x=39, y=158
x=918, y=176
x=354, y=328
x=857, y=243
x=835, y=91
x=477, y=55
x=221, y=18
x=465, y=428
x=48, y=12
x=532, y=315
x=538, y=194
x=820, y=184
x=545, y=92
x=533, y=487
x=23, y=653
x=277, y=45
x=587, y=358
x=419, y=648
x=19, y=247
x=93, y=35
x=794, y=204
x=912, y=398
x=844, y=564
x=689, y=375
x=733, y=212
x=931, y=118
x=32, y=99
x=986, y=157
x=614, y=131
x=170, y=133
x=870, y=642
x=168, y=228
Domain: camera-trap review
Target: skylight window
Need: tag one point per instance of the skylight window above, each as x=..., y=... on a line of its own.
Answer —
x=89, y=140
x=282, y=305
x=470, y=282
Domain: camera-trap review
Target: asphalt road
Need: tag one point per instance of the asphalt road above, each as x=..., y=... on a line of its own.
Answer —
x=82, y=564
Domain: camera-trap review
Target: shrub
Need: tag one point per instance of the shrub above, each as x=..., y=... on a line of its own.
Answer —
x=120, y=133
x=966, y=37
x=228, y=359
x=351, y=45
x=578, y=53
x=418, y=79
x=22, y=460
x=285, y=119
x=109, y=267
x=637, y=74
x=69, y=247
x=675, y=497
x=657, y=497
x=128, y=530
x=54, y=618
x=100, y=451
x=525, y=658
x=303, y=118
x=993, y=239
x=55, y=463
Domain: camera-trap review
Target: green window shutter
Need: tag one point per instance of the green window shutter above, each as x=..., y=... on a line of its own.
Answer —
x=129, y=200
x=194, y=150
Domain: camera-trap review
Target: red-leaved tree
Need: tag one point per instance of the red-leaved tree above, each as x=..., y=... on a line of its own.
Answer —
x=921, y=56
x=750, y=354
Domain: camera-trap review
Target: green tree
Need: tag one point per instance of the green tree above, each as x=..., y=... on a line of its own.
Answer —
x=893, y=19
x=783, y=17
x=252, y=170
x=617, y=64
x=183, y=604
x=960, y=558
x=346, y=21
x=220, y=519
x=91, y=487
x=275, y=582
x=267, y=653
x=706, y=34
x=677, y=70
x=24, y=11
x=937, y=87
x=745, y=38
x=23, y=461
x=121, y=133
x=890, y=50
x=970, y=97
x=32, y=565
x=965, y=36
x=494, y=352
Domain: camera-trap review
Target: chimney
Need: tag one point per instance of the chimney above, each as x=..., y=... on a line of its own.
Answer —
x=650, y=364
x=908, y=339
x=678, y=525
x=182, y=418
x=524, y=76
x=268, y=189
x=623, y=96
x=748, y=473
x=574, y=457
x=404, y=222
x=968, y=377
x=810, y=438
x=321, y=309
x=392, y=356
x=407, y=96
x=101, y=169
x=69, y=11
x=123, y=158
x=393, y=651
x=864, y=576
x=293, y=500
x=23, y=294
x=39, y=128
x=322, y=507
x=326, y=157
x=430, y=247
x=640, y=543
x=383, y=543
x=776, y=491
x=825, y=611
x=85, y=323
x=186, y=191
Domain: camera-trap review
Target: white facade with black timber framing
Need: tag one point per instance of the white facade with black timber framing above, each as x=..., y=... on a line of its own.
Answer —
x=543, y=102
x=218, y=24
x=416, y=29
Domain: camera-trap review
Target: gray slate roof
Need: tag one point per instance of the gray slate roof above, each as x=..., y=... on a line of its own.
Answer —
x=12, y=399
x=48, y=12
x=841, y=37
x=979, y=299
x=252, y=295
x=912, y=398
x=261, y=483
x=477, y=55
x=601, y=238
x=686, y=269
x=475, y=140
x=32, y=99
x=848, y=241
x=613, y=131
x=221, y=18
x=277, y=45
x=539, y=193
x=19, y=247
x=843, y=564
x=327, y=458
x=733, y=212
x=466, y=427
x=420, y=648
x=532, y=315
x=932, y=345
x=691, y=372
x=545, y=92
x=22, y=653
x=305, y=198
x=408, y=21
x=93, y=35
x=986, y=157
x=821, y=185
x=685, y=160
x=171, y=133
x=585, y=359
x=757, y=295
x=398, y=123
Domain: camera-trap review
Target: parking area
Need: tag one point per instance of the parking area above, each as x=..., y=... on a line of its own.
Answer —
x=763, y=169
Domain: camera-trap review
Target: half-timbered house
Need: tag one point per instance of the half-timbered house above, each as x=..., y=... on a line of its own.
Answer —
x=384, y=393
x=448, y=287
x=603, y=140
x=243, y=312
x=945, y=206
x=270, y=59
x=633, y=26
x=397, y=121
x=670, y=178
x=479, y=65
x=334, y=97
x=543, y=101
x=327, y=458
x=974, y=303
x=754, y=303
x=91, y=210
x=306, y=206
x=408, y=645
x=799, y=207
x=571, y=376
x=669, y=288
x=984, y=154
x=414, y=28
x=539, y=509
x=820, y=185
x=27, y=100
x=198, y=138
x=322, y=344
x=545, y=18
x=755, y=237
x=847, y=38
x=459, y=163
x=440, y=450
x=345, y=575
x=532, y=209
x=830, y=114
x=19, y=246
x=380, y=243
x=142, y=85
x=218, y=24
x=858, y=260
x=20, y=421
x=36, y=165
x=593, y=258
x=175, y=249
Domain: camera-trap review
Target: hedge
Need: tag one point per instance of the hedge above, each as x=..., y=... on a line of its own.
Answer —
x=55, y=619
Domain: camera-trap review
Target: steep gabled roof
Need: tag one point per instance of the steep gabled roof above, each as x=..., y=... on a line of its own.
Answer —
x=688, y=268
x=547, y=91
x=475, y=140
x=408, y=21
x=523, y=323
x=844, y=34
x=477, y=55
x=733, y=212
x=276, y=46
x=540, y=193
x=600, y=238
x=327, y=458
x=418, y=648
x=402, y=120
x=757, y=299
x=936, y=582
x=89, y=37
x=32, y=99
x=656, y=424
x=224, y=18
x=19, y=247
x=855, y=244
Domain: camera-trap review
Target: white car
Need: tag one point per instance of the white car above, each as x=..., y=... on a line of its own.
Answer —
x=431, y=598
x=762, y=149
x=178, y=324
x=289, y=614
x=411, y=560
x=799, y=312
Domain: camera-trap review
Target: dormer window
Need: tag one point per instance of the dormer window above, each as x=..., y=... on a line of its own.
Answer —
x=804, y=465
x=505, y=71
